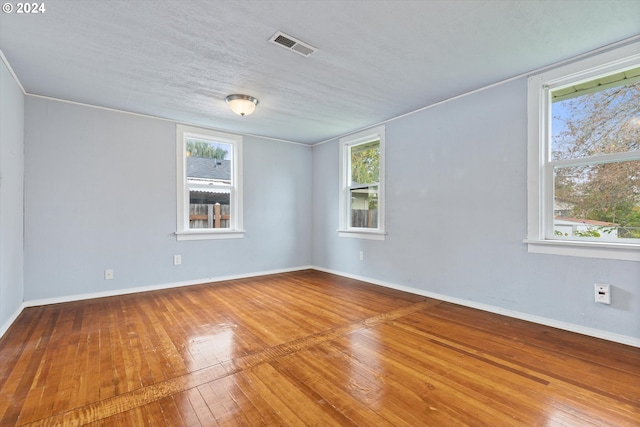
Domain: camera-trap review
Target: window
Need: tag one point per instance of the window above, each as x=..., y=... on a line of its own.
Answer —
x=584, y=158
x=209, y=184
x=362, y=185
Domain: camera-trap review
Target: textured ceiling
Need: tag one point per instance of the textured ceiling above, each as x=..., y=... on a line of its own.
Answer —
x=376, y=59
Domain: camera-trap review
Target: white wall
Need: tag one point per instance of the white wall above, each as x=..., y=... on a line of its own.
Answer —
x=100, y=192
x=456, y=179
x=11, y=197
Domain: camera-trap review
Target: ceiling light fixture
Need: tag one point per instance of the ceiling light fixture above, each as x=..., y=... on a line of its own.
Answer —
x=242, y=104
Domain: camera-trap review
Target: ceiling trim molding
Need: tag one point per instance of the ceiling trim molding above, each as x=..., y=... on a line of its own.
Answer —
x=148, y=116
x=5, y=61
x=611, y=46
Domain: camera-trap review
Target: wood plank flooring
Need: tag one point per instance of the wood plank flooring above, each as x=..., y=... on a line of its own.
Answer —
x=304, y=348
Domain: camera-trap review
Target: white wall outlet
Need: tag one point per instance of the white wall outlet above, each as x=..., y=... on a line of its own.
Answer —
x=177, y=259
x=361, y=255
x=108, y=274
x=603, y=293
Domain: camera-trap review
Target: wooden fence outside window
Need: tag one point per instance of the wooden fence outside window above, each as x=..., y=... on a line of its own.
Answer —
x=209, y=216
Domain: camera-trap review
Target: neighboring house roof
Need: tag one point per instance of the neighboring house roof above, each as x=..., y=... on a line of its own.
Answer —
x=210, y=190
x=207, y=168
x=587, y=222
x=559, y=205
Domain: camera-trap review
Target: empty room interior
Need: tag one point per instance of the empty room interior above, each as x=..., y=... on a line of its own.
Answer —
x=327, y=213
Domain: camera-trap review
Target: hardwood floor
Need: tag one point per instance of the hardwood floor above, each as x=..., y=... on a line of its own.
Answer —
x=304, y=348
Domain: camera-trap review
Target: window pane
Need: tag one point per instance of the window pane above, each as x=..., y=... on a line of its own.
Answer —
x=596, y=122
x=365, y=163
x=208, y=161
x=364, y=207
x=208, y=164
x=209, y=208
x=598, y=201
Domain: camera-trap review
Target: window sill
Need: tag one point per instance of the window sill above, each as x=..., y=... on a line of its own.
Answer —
x=618, y=251
x=360, y=234
x=209, y=235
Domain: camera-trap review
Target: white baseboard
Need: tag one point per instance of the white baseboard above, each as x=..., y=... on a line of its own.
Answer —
x=116, y=292
x=5, y=327
x=597, y=333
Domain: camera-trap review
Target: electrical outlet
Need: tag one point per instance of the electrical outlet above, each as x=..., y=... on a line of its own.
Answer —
x=603, y=293
x=108, y=274
x=361, y=255
x=177, y=259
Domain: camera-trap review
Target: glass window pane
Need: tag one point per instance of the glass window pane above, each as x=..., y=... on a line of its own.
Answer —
x=598, y=201
x=596, y=122
x=209, y=208
x=208, y=164
x=365, y=163
x=364, y=207
x=208, y=161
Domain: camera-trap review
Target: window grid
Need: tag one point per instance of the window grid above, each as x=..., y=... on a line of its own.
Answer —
x=362, y=203
x=209, y=185
x=543, y=168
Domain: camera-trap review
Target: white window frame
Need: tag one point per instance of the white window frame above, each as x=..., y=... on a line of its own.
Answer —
x=345, y=230
x=540, y=167
x=235, y=230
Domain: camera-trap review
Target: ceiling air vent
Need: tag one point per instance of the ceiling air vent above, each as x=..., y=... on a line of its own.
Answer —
x=292, y=44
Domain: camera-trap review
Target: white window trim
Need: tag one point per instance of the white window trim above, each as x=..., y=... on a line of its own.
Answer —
x=344, y=229
x=182, y=228
x=540, y=177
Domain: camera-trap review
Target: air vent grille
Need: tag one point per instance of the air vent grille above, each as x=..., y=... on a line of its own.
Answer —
x=292, y=44
x=285, y=41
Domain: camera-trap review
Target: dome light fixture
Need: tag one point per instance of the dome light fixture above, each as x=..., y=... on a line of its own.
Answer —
x=242, y=104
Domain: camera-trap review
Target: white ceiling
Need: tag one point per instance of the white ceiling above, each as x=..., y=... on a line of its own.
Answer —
x=376, y=59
